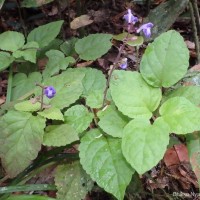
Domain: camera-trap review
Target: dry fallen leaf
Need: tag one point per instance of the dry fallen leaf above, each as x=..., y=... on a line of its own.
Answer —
x=81, y=21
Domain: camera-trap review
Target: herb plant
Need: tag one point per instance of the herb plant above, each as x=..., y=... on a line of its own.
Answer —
x=121, y=121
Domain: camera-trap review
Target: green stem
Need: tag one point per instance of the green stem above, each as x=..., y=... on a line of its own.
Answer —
x=27, y=188
x=9, y=87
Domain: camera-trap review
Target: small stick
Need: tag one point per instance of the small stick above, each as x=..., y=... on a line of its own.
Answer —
x=196, y=39
x=196, y=14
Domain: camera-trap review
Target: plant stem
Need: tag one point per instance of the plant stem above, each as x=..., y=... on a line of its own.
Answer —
x=9, y=87
x=26, y=188
x=42, y=95
x=196, y=39
x=113, y=68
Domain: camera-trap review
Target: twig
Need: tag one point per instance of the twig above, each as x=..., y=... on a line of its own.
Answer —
x=196, y=14
x=196, y=40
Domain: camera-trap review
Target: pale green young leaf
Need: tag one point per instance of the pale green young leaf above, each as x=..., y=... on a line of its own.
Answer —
x=78, y=117
x=112, y=122
x=20, y=140
x=27, y=106
x=72, y=182
x=5, y=59
x=181, y=115
x=52, y=113
x=44, y=34
x=23, y=84
x=165, y=60
x=28, y=52
x=132, y=95
x=93, y=46
x=102, y=159
x=68, y=47
x=143, y=144
x=192, y=93
x=59, y=135
x=11, y=41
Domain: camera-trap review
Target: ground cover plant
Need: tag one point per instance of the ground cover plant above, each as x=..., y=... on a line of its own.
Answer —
x=105, y=128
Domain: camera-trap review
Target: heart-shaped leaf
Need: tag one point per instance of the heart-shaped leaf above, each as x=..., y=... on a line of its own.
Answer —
x=143, y=144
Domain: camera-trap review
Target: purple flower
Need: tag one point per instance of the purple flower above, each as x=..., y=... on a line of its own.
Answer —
x=123, y=64
x=146, y=28
x=50, y=92
x=130, y=18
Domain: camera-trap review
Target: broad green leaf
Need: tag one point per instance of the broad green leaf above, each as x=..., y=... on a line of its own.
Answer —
x=132, y=95
x=29, y=197
x=132, y=40
x=11, y=41
x=191, y=93
x=34, y=3
x=20, y=140
x=56, y=62
x=72, y=182
x=5, y=59
x=193, y=145
x=59, y=135
x=28, y=52
x=23, y=84
x=165, y=61
x=143, y=144
x=68, y=87
x=102, y=159
x=27, y=106
x=181, y=115
x=44, y=34
x=94, y=84
x=68, y=47
x=52, y=113
x=112, y=122
x=93, y=46
x=78, y=117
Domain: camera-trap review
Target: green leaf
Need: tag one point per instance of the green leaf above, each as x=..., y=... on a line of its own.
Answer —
x=44, y=34
x=78, y=117
x=112, y=121
x=5, y=59
x=28, y=52
x=193, y=145
x=132, y=95
x=11, y=41
x=59, y=135
x=132, y=40
x=94, y=84
x=68, y=47
x=93, y=46
x=102, y=159
x=165, y=61
x=72, y=182
x=20, y=139
x=52, y=113
x=56, y=62
x=28, y=197
x=23, y=84
x=68, y=87
x=34, y=3
x=181, y=115
x=143, y=144
x=27, y=106
x=192, y=93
